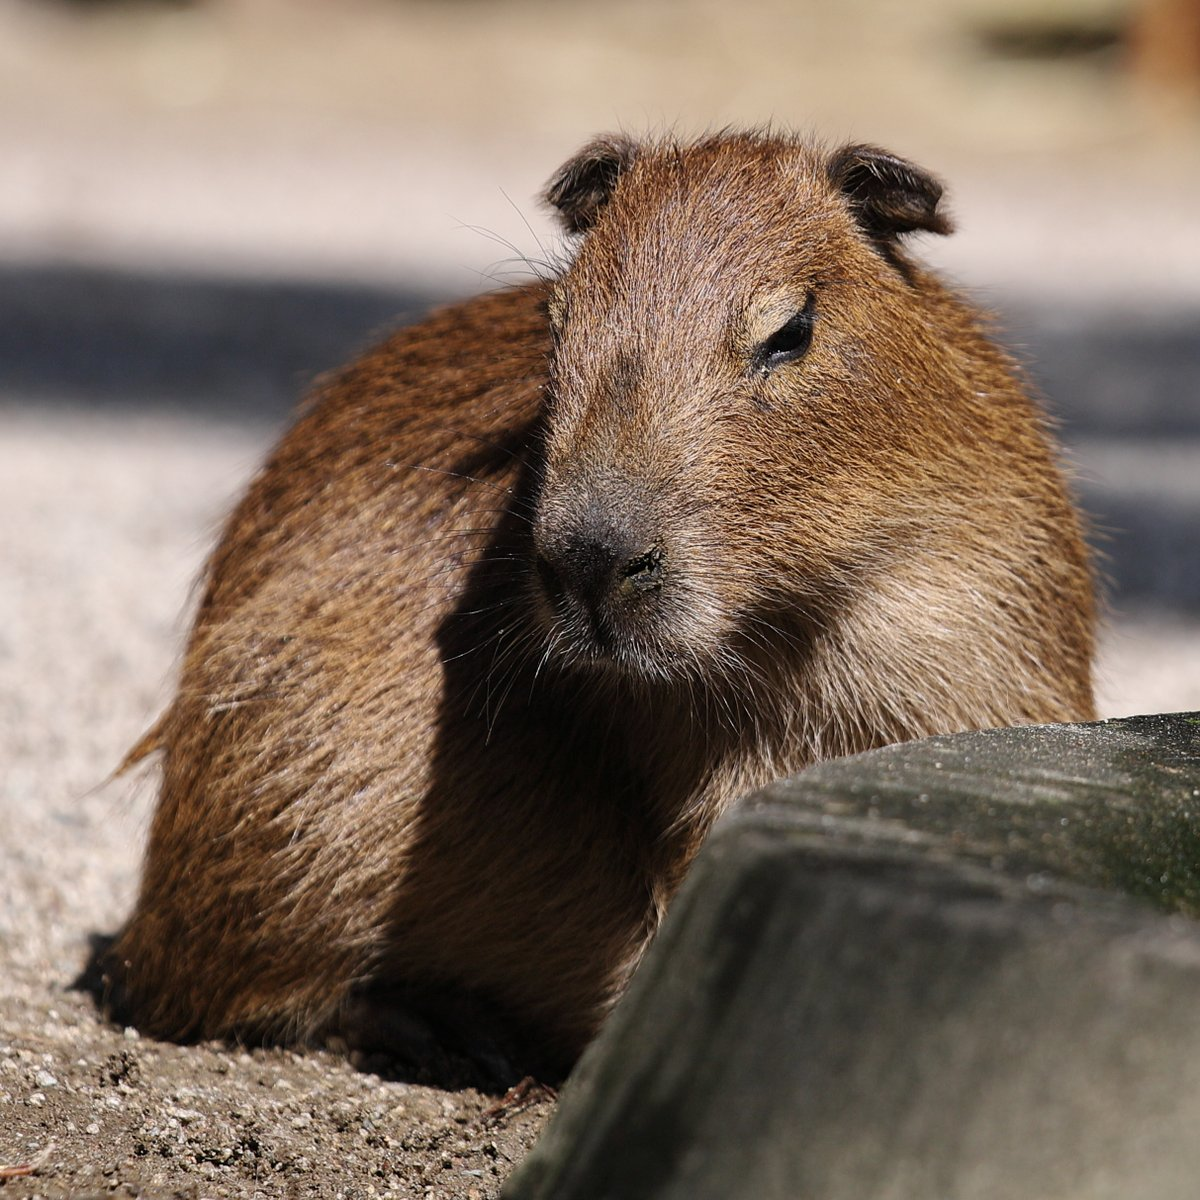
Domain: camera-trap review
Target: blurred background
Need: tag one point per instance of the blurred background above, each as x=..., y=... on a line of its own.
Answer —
x=204, y=204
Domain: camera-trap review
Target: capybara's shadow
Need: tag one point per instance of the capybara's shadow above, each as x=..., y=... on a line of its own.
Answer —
x=421, y=1049
x=92, y=979
x=507, y=756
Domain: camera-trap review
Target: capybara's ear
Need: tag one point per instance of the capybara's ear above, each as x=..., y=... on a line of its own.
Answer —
x=582, y=185
x=887, y=195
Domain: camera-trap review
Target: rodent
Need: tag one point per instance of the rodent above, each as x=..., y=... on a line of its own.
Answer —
x=532, y=591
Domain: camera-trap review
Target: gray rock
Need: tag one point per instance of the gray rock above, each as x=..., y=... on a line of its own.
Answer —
x=958, y=968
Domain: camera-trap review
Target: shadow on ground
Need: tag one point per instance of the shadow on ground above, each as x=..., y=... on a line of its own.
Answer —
x=210, y=345
x=1123, y=383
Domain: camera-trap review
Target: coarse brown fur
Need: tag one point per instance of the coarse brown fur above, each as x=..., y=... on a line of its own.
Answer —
x=532, y=591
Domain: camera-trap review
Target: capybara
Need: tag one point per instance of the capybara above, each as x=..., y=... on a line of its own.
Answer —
x=531, y=592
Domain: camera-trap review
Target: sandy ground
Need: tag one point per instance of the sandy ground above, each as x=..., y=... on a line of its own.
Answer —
x=402, y=143
x=115, y=518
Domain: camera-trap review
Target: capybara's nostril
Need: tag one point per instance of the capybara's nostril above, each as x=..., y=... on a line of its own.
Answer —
x=645, y=573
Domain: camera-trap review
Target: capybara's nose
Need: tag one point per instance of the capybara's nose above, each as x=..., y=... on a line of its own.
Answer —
x=598, y=569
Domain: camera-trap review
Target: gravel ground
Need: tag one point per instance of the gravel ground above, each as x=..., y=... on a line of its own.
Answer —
x=117, y=513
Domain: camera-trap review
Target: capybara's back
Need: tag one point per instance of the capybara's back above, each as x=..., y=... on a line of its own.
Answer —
x=531, y=592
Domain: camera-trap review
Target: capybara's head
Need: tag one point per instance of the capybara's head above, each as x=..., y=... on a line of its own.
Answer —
x=755, y=399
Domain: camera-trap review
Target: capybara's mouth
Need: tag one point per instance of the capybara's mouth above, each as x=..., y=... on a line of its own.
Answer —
x=645, y=634
x=602, y=636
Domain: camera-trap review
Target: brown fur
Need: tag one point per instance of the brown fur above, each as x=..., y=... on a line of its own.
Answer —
x=406, y=752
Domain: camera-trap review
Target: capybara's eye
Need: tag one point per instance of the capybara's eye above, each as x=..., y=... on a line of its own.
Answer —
x=789, y=342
